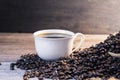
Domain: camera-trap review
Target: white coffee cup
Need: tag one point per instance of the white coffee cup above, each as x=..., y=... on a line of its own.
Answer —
x=50, y=48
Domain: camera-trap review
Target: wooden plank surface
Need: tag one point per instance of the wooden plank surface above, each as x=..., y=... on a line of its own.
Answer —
x=7, y=74
x=12, y=45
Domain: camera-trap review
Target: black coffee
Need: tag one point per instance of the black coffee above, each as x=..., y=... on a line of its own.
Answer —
x=54, y=35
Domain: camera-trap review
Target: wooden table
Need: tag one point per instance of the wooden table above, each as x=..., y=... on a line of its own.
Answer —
x=12, y=45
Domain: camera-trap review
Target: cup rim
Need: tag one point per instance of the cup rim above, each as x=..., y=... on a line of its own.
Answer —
x=54, y=31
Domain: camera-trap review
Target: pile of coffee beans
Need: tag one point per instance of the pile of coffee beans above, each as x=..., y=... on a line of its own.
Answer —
x=80, y=65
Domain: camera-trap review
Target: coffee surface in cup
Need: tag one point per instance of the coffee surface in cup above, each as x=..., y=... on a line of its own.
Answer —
x=54, y=35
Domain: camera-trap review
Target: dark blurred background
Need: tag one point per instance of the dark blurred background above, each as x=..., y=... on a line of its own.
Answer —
x=86, y=16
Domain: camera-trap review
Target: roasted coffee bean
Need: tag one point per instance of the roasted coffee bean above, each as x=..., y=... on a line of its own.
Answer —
x=90, y=62
x=12, y=65
x=0, y=63
x=25, y=77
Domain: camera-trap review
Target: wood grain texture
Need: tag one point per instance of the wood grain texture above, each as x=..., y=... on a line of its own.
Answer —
x=86, y=16
x=12, y=45
x=7, y=74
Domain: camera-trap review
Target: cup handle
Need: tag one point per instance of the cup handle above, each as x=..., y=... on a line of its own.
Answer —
x=82, y=38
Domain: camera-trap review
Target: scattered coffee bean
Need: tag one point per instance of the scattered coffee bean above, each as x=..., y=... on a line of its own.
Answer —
x=86, y=64
x=12, y=65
